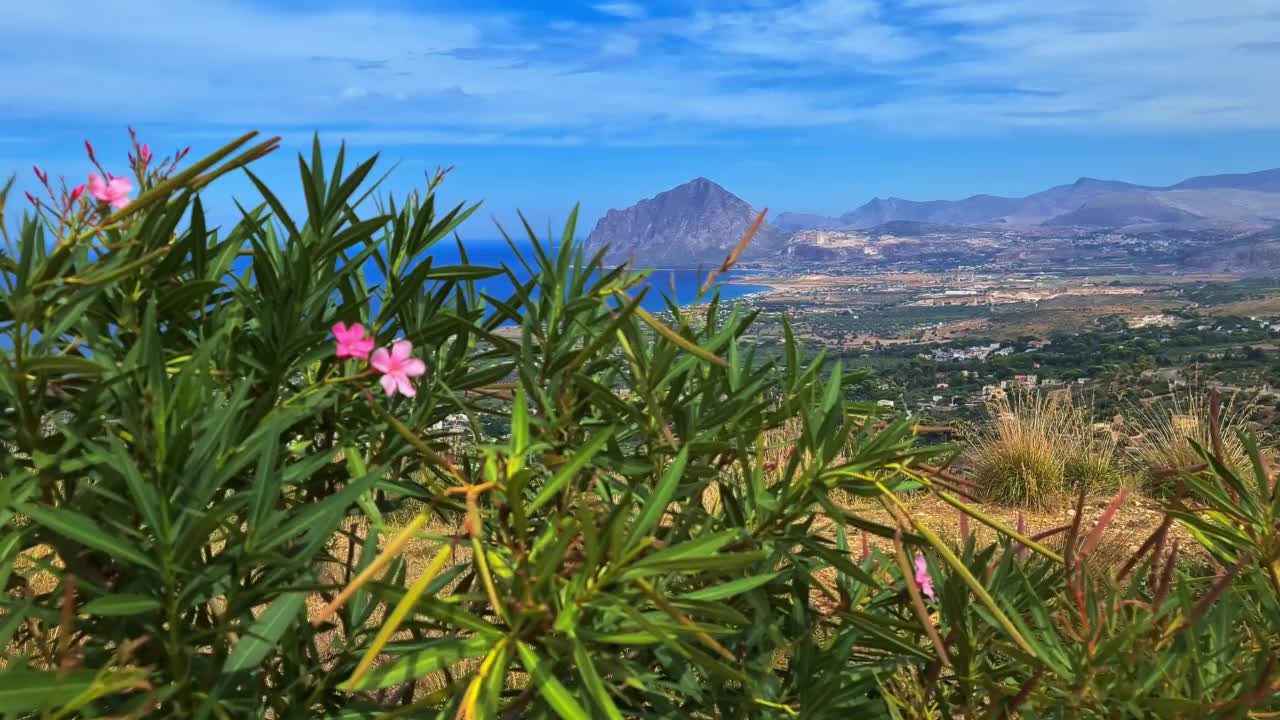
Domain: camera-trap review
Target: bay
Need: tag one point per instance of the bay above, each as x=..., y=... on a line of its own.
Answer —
x=682, y=285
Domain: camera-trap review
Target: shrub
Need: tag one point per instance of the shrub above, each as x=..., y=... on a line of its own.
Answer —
x=1163, y=434
x=1091, y=455
x=207, y=490
x=1035, y=449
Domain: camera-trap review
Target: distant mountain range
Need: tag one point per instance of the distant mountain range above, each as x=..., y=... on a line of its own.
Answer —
x=699, y=222
x=1251, y=197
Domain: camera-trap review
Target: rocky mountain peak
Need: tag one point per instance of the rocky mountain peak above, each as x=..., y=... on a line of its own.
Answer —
x=696, y=223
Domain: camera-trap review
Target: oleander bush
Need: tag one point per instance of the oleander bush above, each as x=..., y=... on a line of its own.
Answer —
x=293, y=468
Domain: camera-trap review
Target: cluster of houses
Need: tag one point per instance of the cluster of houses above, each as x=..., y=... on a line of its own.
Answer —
x=975, y=352
x=1158, y=320
x=1272, y=325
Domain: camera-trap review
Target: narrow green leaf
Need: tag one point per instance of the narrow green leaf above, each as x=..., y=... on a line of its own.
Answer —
x=730, y=589
x=10, y=547
x=593, y=683
x=262, y=637
x=519, y=433
x=658, y=500
x=570, y=469
x=120, y=604
x=460, y=272
x=702, y=547
x=22, y=690
x=556, y=694
x=61, y=365
x=14, y=616
x=981, y=592
x=433, y=656
x=81, y=529
x=675, y=337
x=398, y=615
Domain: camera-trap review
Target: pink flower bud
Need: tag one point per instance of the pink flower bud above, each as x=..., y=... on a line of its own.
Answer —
x=89, y=147
x=77, y=192
x=32, y=199
x=144, y=154
x=923, y=580
x=44, y=177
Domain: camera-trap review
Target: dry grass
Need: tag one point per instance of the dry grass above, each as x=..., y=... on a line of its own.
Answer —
x=1036, y=449
x=1136, y=519
x=1160, y=435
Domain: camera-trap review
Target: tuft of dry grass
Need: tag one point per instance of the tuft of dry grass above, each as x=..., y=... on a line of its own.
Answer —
x=1036, y=449
x=1160, y=435
x=1092, y=459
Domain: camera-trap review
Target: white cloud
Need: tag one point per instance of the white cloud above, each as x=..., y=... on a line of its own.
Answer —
x=823, y=31
x=628, y=10
x=921, y=66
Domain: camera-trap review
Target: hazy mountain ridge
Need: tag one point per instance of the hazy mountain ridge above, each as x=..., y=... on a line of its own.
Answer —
x=699, y=222
x=1242, y=198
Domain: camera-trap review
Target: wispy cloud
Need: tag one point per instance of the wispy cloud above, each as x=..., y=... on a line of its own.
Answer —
x=627, y=10
x=624, y=75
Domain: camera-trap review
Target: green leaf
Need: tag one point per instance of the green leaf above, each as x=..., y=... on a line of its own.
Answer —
x=433, y=656
x=10, y=548
x=22, y=690
x=974, y=584
x=81, y=529
x=658, y=500
x=61, y=365
x=556, y=694
x=13, y=617
x=703, y=547
x=402, y=611
x=570, y=469
x=265, y=633
x=519, y=433
x=120, y=604
x=730, y=589
x=460, y=272
x=714, y=564
x=675, y=337
x=593, y=683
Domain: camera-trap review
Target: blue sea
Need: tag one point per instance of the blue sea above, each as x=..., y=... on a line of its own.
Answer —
x=680, y=284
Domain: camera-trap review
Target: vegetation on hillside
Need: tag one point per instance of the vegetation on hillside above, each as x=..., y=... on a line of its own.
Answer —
x=224, y=442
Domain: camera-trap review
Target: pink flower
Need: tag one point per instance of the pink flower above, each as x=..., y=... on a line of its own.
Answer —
x=397, y=367
x=114, y=190
x=352, y=342
x=923, y=581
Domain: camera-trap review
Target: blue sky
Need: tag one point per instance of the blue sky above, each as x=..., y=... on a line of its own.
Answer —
x=805, y=105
